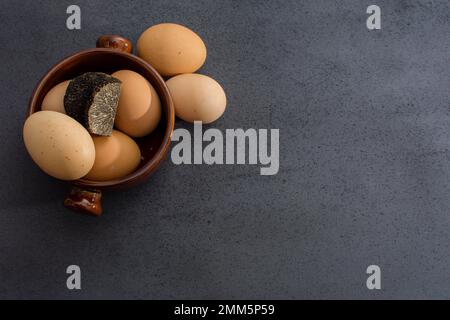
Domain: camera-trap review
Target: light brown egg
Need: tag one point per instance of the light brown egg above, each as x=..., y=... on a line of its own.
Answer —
x=172, y=49
x=139, y=109
x=115, y=157
x=59, y=145
x=197, y=97
x=54, y=99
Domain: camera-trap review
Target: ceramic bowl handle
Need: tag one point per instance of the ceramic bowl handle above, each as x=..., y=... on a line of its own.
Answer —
x=85, y=201
x=112, y=41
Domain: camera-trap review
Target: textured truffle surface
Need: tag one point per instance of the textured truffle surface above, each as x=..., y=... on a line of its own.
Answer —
x=92, y=100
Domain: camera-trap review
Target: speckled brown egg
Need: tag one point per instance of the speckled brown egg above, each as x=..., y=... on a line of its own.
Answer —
x=59, y=145
x=139, y=109
x=115, y=157
x=54, y=99
x=172, y=49
x=197, y=97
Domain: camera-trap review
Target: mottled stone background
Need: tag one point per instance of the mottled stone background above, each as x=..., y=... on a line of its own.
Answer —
x=364, y=122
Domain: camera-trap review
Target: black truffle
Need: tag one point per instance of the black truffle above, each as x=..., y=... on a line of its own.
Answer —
x=92, y=100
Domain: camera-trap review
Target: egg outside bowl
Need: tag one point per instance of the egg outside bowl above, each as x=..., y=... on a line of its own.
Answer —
x=112, y=54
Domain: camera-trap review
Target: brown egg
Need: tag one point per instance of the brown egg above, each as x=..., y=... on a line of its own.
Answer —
x=54, y=100
x=59, y=145
x=139, y=109
x=197, y=97
x=172, y=49
x=115, y=157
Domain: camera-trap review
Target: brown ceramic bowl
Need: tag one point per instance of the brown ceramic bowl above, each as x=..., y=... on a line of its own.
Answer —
x=112, y=53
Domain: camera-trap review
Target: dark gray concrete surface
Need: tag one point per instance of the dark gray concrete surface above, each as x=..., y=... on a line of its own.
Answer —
x=364, y=120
